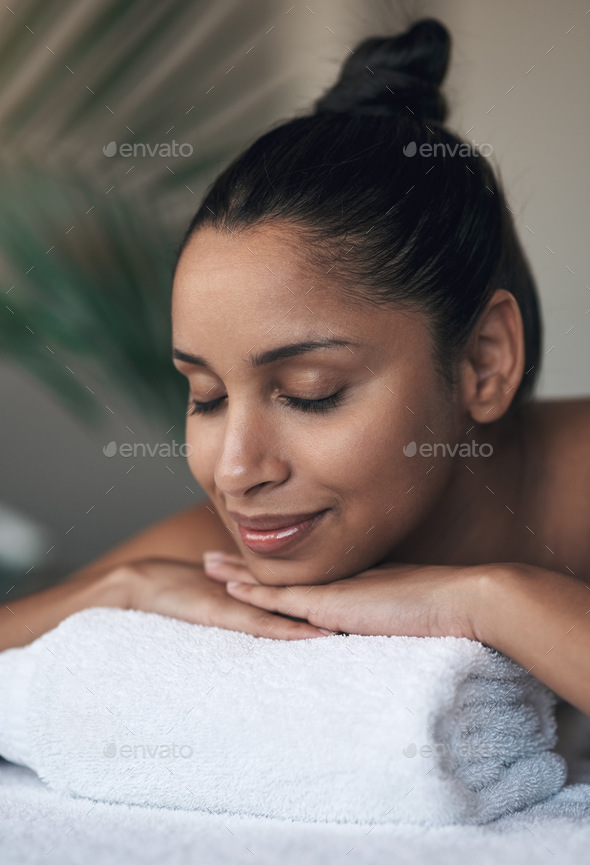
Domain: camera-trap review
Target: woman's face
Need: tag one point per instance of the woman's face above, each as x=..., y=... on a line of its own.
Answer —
x=236, y=297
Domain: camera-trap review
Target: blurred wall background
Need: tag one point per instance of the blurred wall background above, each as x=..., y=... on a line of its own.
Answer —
x=76, y=76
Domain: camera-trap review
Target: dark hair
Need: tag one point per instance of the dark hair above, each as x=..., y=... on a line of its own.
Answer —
x=427, y=233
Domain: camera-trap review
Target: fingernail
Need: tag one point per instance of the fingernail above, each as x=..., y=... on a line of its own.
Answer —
x=214, y=565
x=213, y=556
x=232, y=585
x=323, y=631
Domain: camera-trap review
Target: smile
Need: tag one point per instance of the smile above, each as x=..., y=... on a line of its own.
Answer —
x=270, y=540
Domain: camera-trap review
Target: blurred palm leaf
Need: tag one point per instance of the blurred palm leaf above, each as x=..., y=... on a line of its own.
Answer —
x=90, y=279
x=87, y=241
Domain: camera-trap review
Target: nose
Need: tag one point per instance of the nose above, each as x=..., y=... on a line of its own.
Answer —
x=249, y=451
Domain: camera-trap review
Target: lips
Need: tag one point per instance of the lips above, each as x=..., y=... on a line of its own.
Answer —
x=269, y=522
x=265, y=541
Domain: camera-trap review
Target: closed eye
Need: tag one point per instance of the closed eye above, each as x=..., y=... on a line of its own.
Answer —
x=304, y=405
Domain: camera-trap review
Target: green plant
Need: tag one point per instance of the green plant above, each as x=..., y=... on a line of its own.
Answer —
x=87, y=240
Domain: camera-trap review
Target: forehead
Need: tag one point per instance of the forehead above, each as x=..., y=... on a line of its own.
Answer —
x=234, y=292
x=261, y=274
x=267, y=261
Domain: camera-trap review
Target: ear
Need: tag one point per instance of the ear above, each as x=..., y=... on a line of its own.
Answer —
x=493, y=365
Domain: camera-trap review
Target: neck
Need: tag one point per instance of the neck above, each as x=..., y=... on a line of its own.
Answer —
x=473, y=520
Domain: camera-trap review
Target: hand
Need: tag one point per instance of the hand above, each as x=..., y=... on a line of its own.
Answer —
x=411, y=600
x=181, y=590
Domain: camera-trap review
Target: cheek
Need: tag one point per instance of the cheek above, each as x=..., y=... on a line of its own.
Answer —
x=362, y=453
x=201, y=459
x=406, y=484
x=379, y=474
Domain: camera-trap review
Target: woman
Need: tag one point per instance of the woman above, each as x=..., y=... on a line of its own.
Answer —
x=361, y=335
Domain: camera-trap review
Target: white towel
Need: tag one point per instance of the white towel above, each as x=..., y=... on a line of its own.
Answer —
x=125, y=706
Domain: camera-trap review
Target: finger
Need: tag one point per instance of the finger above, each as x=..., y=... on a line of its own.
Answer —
x=279, y=599
x=248, y=619
x=224, y=571
x=234, y=558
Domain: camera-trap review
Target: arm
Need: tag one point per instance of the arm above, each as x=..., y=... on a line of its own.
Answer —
x=183, y=535
x=158, y=570
x=541, y=619
x=25, y=619
x=537, y=617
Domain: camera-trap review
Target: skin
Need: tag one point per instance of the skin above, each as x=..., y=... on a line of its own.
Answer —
x=351, y=458
x=482, y=547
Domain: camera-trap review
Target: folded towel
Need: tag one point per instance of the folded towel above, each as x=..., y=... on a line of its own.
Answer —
x=125, y=706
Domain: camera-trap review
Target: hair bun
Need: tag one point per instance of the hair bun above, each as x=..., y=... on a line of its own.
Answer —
x=385, y=74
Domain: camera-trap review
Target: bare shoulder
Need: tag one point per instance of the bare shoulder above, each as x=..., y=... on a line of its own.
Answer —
x=184, y=535
x=561, y=429
x=565, y=424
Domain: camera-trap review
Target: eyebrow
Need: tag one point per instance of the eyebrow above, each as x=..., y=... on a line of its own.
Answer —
x=273, y=354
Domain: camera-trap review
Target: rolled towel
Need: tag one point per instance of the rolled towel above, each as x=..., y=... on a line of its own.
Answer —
x=126, y=706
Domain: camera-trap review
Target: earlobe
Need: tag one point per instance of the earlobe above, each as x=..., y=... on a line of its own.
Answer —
x=494, y=363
